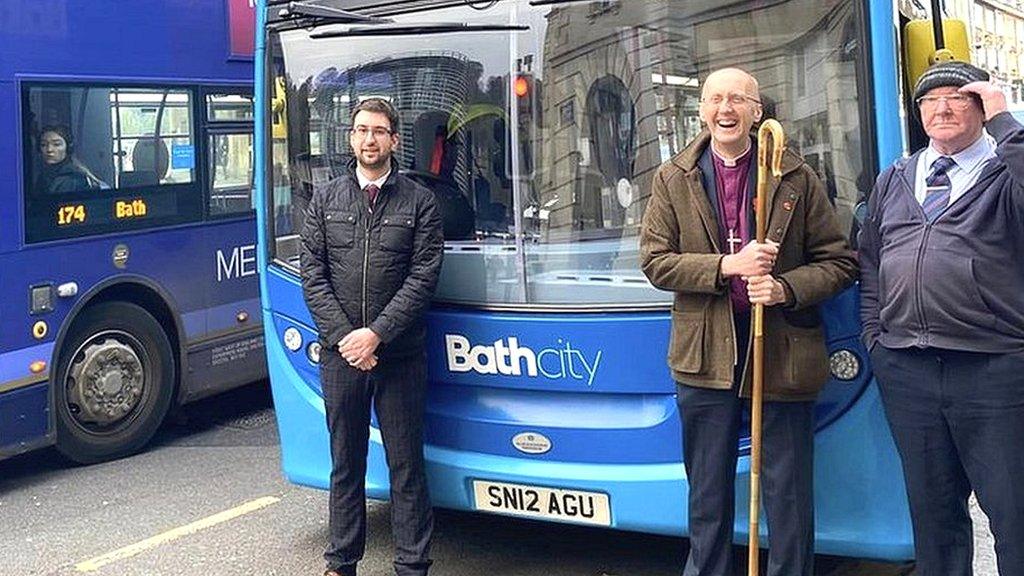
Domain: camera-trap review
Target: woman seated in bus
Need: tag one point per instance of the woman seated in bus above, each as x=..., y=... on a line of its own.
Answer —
x=61, y=172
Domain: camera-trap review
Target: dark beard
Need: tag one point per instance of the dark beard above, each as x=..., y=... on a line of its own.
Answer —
x=382, y=161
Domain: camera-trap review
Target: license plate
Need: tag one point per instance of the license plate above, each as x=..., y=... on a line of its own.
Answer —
x=537, y=502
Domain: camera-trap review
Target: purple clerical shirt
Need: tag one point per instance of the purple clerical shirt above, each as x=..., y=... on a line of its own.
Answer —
x=733, y=199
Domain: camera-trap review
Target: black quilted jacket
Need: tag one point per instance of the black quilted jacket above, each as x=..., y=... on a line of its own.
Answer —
x=376, y=269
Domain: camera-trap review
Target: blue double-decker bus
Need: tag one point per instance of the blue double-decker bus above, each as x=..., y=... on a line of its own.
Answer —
x=127, y=240
x=540, y=126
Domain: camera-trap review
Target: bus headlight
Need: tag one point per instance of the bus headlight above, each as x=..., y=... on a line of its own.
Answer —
x=292, y=339
x=313, y=352
x=844, y=365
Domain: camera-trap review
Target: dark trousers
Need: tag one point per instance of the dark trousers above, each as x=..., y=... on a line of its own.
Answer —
x=398, y=392
x=711, y=426
x=958, y=422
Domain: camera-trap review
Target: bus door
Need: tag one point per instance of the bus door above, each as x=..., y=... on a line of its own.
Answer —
x=233, y=347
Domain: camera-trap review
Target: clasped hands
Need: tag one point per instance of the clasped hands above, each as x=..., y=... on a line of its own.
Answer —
x=358, y=348
x=754, y=264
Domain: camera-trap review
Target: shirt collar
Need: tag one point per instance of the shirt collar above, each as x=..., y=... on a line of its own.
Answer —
x=721, y=160
x=364, y=181
x=967, y=159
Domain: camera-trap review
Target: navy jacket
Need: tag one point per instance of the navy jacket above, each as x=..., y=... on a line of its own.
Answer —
x=956, y=283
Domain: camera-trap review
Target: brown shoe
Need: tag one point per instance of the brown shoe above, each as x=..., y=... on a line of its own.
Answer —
x=333, y=573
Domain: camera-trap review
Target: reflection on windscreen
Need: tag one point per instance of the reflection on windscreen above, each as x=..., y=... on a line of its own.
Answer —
x=541, y=145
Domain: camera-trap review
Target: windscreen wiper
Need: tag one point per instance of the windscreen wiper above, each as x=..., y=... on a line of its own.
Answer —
x=327, y=11
x=418, y=29
x=548, y=2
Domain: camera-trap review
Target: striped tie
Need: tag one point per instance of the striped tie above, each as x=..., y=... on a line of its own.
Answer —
x=937, y=188
x=371, y=194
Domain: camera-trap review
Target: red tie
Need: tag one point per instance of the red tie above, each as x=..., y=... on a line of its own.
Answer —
x=371, y=193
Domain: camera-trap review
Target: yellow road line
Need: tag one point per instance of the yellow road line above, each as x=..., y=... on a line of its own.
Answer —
x=139, y=547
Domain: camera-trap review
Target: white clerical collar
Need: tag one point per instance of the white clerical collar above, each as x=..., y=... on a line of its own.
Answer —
x=364, y=181
x=730, y=162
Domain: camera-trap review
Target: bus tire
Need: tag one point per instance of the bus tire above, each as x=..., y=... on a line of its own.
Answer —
x=113, y=384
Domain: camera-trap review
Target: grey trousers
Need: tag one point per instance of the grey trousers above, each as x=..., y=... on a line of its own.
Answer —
x=397, y=391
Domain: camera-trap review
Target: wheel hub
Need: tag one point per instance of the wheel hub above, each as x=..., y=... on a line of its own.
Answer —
x=106, y=382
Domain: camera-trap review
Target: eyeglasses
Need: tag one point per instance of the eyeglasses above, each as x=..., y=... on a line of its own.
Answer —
x=378, y=132
x=958, y=102
x=734, y=99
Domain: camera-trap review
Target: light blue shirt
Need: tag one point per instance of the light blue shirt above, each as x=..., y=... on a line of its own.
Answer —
x=969, y=163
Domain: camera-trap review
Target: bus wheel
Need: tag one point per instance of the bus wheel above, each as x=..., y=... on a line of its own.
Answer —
x=114, y=383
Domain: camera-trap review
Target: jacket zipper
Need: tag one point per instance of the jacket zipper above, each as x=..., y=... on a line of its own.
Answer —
x=366, y=252
x=366, y=266
x=918, y=284
x=908, y=190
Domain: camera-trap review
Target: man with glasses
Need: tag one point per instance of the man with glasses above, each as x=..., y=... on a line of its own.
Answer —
x=371, y=255
x=697, y=240
x=942, y=305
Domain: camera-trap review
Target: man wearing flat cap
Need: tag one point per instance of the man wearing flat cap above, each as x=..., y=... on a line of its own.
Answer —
x=942, y=307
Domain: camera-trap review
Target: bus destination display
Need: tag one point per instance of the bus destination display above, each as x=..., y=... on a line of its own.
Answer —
x=104, y=211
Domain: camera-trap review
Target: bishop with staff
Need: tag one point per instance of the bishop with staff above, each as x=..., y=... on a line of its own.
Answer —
x=698, y=241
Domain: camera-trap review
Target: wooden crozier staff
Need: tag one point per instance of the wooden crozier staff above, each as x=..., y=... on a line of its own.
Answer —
x=773, y=129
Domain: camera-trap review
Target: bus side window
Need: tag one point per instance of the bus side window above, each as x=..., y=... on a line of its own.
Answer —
x=229, y=150
x=66, y=138
x=152, y=135
x=230, y=173
x=105, y=158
